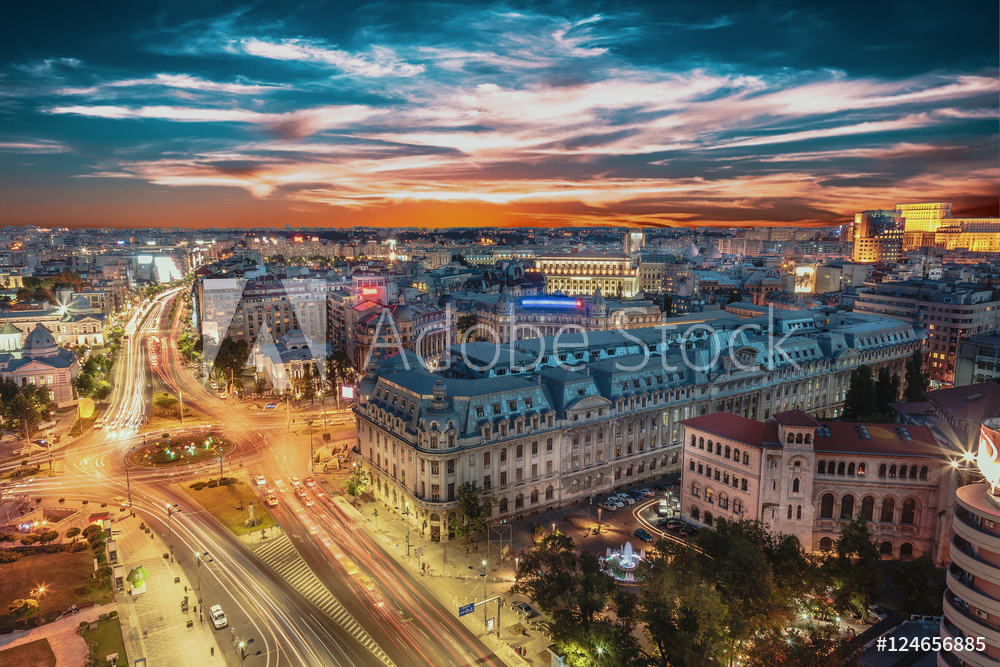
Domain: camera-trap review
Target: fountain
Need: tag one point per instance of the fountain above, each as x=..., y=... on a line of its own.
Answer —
x=622, y=563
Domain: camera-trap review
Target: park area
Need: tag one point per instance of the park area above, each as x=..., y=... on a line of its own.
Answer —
x=33, y=654
x=181, y=449
x=230, y=503
x=66, y=577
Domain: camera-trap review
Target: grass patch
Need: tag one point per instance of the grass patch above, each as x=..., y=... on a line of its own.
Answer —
x=108, y=637
x=181, y=450
x=67, y=579
x=33, y=654
x=222, y=503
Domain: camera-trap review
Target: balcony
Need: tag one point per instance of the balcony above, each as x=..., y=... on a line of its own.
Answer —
x=965, y=558
x=960, y=583
x=968, y=622
x=976, y=658
x=971, y=533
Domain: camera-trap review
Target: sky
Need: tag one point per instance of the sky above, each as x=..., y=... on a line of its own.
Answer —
x=437, y=114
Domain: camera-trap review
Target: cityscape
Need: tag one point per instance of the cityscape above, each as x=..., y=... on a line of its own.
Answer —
x=539, y=334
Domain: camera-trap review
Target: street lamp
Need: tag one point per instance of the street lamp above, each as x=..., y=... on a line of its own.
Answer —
x=127, y=482
x=37, y=594
x=202, y=558
x=484, y=579
x=243, y=646
x=171, y=510
x=406, y=513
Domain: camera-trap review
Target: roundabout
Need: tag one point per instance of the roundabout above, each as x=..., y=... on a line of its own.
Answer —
x=181, y=449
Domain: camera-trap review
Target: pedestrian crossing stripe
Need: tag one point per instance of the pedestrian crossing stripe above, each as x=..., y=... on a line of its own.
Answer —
x=282, y=557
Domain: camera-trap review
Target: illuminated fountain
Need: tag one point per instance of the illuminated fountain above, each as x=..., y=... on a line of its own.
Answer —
x=622, y=563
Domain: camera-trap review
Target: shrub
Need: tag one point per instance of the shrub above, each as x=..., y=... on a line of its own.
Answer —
x=212, y=484
x=28, y=540
x=9, y=556
x=91, y=529
x=86, y=502
x=73, y=532
x=112, y=614
x=105, y=571
x=227, y=481
x=74, y=547
x=62, y=500
x=198, y=486
x=101, y=558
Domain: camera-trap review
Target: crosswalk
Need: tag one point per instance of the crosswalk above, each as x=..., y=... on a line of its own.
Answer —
x=282, y=557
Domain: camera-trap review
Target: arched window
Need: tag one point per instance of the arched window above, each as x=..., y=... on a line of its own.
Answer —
x=518, y=501
x=710, y=445
x=826, y=506
x=888, y=510
x=798, y=511
x=791, y=438
x=695, y=512
x=503, y=506
x=746, y=459
x=868, y=508
x=861, y=470
x=826, y=544
x=743, y=484
x=701, y=443
x=795, y=485
x=881, y=470
x=850, y=469
x=728, y=451
x=902, y=472
x=695, y=489
x=909, y=512
x=905, y=550
x=549, y=492
x=840, y=468
x=736, y=454
x=693, y=439
x=737, y=506
x=708, y=518
x=798, y=438
x=885, y=548
x=892, y=470
x=723, y=501
x=913, y=475
x=821, y=469
x=534, y=496
x=718, y=448
x=847, y=507
x=808, y=438
x=923, y=473
x=789, y=511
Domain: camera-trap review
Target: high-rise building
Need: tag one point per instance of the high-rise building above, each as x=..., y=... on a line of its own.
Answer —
x=877, y=236
x=584, y=271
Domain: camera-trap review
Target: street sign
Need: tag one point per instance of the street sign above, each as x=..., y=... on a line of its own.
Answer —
x=466, y=609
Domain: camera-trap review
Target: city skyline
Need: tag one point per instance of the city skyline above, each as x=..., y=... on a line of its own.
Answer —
x=436, y=115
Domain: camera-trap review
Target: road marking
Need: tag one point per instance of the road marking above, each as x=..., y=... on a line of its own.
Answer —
x=282, y=557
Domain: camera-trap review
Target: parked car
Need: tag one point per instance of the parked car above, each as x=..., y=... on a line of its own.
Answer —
x=688, y=531
x=648, y=493
x=616, y=501
x=642, y=534
x=673, y=525
x=524, y=609
x=635, y=495
x=876, y=612
x=219, y=619
x=625, y=498
x=607, y=506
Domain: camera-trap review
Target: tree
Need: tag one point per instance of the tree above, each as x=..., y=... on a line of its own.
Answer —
x=861, y=395
x=23, y=609
x=578, y=595
x=339, y=370
x=231, y=359
x=852, y=569
x=464, y=323
x=734, y=297
x=886, y=388
x=916, y=380
x=475, y=509
x=815, y=649
x=48, y=536
x=356, y=483
x=921, y=583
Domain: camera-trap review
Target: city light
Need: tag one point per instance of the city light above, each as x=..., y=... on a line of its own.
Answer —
x=551, y=302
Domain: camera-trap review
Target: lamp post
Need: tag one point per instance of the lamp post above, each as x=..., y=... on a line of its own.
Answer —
x=484, y=578
x=202, y=558
x=243, y=647
x=406, y=512
x=37, y=593
x=171, y=510
x=128, y=482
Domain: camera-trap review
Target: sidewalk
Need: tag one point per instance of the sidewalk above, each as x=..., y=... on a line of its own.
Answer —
x=68, y=647
x=153, y=624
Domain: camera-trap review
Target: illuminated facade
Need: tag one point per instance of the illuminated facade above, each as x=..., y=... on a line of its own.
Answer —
x=972, y=600
x=877, y=236
x=925, y=216
x=583, y=272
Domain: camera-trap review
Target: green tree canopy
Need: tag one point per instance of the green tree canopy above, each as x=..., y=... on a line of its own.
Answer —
x=916, y=380
x=861, y=395
x=475, y=509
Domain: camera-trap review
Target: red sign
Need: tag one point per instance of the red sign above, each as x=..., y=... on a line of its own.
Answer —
x=369, y=291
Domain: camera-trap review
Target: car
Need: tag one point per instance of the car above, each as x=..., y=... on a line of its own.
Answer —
x=213, y=385
x=346, y=563
x=296, y=481
x=218, y=616
x=366, y=582
x=377, y=598
x=642, y=534
x=627, y=499
x=310, y=482
x=524, y=609
x=689, y=531
x=647, y=493
x=222, y=395
x=614, y=501
x=300, y=492
x=607, y=506
x=637, y=495
x=876, y=612
x=259, y=480
x=99, y=424
x=308, y=501
x=272, y=501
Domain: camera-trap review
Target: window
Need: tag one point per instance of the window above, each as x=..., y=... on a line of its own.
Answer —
x=909, y=511
x=746, y=459
x=850, y=469
x=923, y=473
x=695, y=489
x=881, y=470
x=503, y=455
x=520, y=451
x=695, y=513
x=840, y=469
x=861, y=469
x=518, y=501
x=728, y=451
x=798, y=511
x=821, y=468
x=906, y=550
x=435, y=467
x=486, y=482
x=737, y=506
x=868, y=508
x=847, y=507
x=534, y=497
x=486, y=458
x=789, y=511
x=503, y=478
x=743, y=485
x=795, y=485
x=888, y=509
x=701, y=443
x=549, y=492
x=902, y=472
x=503, y=506
x=826, y=507
x=885, y=548
x=548, y=445
x=892, y=471
x=826, y=544
x=534, y=448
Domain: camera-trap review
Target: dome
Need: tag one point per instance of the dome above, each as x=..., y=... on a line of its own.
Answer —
x=691, y=252
x=597, y=302
x=79, y=305
x=402, y=313
x=794, y=251
x=505, y=300
x=446, y=300
x=40, y=342
x=714, y=253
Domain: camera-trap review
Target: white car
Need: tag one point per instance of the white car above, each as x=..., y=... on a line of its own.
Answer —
x=259, y=480
x=608, y=506
x=219, y=619
x=625, y=498
x=296, y=481
x=99, y=423
x=616, y=501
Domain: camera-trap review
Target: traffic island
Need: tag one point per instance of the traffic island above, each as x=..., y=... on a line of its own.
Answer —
x=230, y=502
x=181, y=449
x=166, y=412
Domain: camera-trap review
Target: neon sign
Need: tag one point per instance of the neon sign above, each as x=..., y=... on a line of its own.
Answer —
x=551, y=302
x=369, y=291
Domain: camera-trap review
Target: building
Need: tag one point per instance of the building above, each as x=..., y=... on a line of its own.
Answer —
x=280, y=305
x=633, y=241
x=551, y=422
x=950, y=310
x=972, y=599
x=803, y=477
x=584, y=271
x=41, y=362
x=925, y=216
x=73, y=325
x=282, y=364
x=877, y=236
x=978, y=359
x=423, y=328
x=964, y=408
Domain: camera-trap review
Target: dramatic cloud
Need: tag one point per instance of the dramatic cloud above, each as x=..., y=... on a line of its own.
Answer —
x=652, y=115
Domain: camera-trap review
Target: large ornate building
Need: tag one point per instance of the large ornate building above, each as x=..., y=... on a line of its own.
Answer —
x=40, y=361
x=804, y=477
x=584, y=271
x=549, y=422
